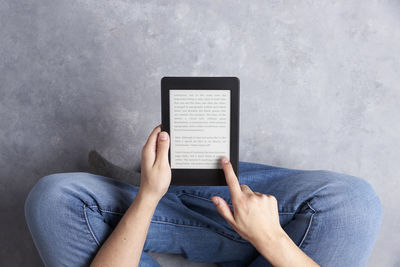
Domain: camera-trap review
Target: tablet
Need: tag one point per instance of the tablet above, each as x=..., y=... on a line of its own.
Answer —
x=201, y=115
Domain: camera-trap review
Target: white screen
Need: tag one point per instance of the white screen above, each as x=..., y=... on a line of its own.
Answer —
x=199, y=128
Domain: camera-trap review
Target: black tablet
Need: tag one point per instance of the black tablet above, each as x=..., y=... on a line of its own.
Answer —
x=201, y=115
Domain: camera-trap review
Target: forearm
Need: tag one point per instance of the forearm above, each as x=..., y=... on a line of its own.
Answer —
x=124, y=246
x=282, y=251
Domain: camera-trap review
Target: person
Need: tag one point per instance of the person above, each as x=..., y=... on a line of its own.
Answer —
x=265, y=216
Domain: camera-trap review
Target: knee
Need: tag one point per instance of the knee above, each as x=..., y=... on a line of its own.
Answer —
x=353, y=199
x=50, y=194
x=44, y=193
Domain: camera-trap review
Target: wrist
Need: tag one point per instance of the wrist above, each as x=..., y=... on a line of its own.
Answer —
x=268, y=244
x=148, y=196
x=282, y=251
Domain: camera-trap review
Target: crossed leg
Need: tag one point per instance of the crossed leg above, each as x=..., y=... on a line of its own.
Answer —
x=334, y=218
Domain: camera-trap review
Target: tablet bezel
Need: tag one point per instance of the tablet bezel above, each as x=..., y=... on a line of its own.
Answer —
x=203, y=176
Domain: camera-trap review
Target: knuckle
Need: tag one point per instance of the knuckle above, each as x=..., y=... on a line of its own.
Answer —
x=273, y=198
x=253, y=197
x=257, y=199
x=244, y=187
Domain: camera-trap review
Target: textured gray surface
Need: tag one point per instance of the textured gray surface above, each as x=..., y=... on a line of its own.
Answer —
x=320, y=89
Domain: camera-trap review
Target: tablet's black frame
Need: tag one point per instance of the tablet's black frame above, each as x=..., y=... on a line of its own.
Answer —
x=213, y=177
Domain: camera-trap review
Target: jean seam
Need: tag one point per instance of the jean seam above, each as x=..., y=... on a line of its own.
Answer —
x=185, y=193
x=199, y=197
x=103, y=210
x=201, y=227
x=196, y=196
x=309, y=224
x=89, y=226
x=160, y=222
x=164, y=222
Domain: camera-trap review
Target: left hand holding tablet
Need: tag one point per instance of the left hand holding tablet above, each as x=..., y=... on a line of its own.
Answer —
x=155, y=169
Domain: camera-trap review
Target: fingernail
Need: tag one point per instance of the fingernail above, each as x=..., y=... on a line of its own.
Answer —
x=163, y=136
x=225, y=160
x=215, y=200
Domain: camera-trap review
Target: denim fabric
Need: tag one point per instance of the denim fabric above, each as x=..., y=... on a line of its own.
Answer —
x=334, y=218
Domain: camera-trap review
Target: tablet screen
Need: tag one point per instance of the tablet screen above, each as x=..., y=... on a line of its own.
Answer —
x=199, y=128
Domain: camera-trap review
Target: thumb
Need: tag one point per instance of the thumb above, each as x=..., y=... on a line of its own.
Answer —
x=224, y=209
x=162, y=148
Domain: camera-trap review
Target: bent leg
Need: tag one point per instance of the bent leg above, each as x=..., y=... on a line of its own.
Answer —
x=334, y=218
x=59, y=212
x=71, y=214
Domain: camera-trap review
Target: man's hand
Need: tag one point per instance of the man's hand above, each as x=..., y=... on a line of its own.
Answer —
x=125, y=245
x=255, y=216
x=155, y=169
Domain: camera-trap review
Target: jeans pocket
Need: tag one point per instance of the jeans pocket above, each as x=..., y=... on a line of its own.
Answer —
x=208, y=213
x=299, y=226
x=201, y=204
x=101, y=223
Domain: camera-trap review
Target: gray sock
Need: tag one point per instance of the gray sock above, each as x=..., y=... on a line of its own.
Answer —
x=99, y=165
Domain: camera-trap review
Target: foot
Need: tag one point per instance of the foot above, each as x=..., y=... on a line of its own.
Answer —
x=99, y=165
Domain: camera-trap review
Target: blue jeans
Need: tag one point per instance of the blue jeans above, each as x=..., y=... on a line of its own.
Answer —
x=334, y=218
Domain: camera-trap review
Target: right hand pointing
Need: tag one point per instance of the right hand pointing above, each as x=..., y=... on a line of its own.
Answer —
x=255, y=216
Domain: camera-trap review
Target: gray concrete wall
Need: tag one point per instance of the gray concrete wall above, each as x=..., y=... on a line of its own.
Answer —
x=320, y=89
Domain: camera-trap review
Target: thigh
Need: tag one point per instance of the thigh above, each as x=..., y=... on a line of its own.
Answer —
x=70, y=215
x=185, y=221
x=322, y=211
